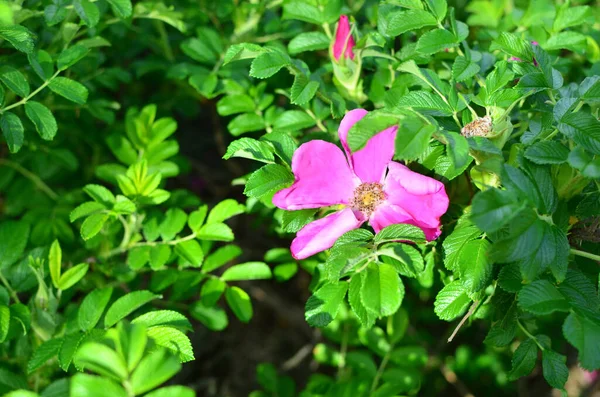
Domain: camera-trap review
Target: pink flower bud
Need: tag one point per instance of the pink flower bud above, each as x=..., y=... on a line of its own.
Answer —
x=344, y=42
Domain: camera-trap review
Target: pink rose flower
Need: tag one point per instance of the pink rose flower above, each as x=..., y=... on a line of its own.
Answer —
x=367, y=182
x=343, y=39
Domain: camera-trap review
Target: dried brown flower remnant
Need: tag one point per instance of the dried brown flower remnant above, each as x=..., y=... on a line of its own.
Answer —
x=480, y=127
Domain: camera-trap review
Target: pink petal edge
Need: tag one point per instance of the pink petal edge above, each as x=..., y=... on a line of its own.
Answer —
x=321, y=234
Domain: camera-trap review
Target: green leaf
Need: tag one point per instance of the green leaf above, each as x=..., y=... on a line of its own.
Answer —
x=14, y=80
x=126, y=304
x=68, y=348
x=239, y=302
x=163, y=317
x=87, y=11
x=71, y=56
x=246, y=122
x=267, y=64
x=225, y=210
x=172, y=391
x=414, y=143
x=424, y=100
x=92, y=307
x=366, y=317
x=241, y=51
x=69, y=89
x=410, y=20
x=43, y=353
x=159, y=256
x=72, y=276
x=382, y=291
x=42, y=118
x=220, y=257
x=400, y=232
x=463, y=69
x=92, y=225
x=475, y=267
x=584, y=333
x=267, y=180
x=569, y=40
x=250, y=149
x=503, y=331
x=583, y=128
x=493, y=208
x=303, y=11
x=547, y=152
x=54, y=262
x=196, y=218
x=436, y=40
x=100, y=358
x=308, y=41
x=54, y=14
x=14, y=236
x=84, y=385
x=554, y=368
x=214, y=318
x=13, y=131
x=211, y=291
x=367, y=127
x=215, y=232
x=453, y=245
x=233, y=104
x=588, y=164
x=323, y=305
x=154, y=369
x=4, y=322
x=285, y=271
x=405, y=259
x=303, y=89
x=174, y=222
x=452, y=301
x=523, y=360
x=541, y=297
x=438, y=7
x=293, y=221
x=191, y=252
x=293, y=120
x=137, y=257
x=513, y=45
x=510, y=278
x=20, y=37
x=569, y=16
x=121, y=8
x=247, y=271
x=100, y=194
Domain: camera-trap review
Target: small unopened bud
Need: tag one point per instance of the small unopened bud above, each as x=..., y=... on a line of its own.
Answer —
x=344, y=42
x=480, y=127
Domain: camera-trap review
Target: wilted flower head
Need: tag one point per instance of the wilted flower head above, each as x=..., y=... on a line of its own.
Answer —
x=344, y=42
x=480, y=127
x=368, y=185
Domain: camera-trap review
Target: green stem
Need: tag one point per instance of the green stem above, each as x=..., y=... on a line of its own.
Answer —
x=37, y=181
x=529, y=335
x=120, y=249
x=28, y=97
x=380, y=370
x=585, y=254
x=11, y=291
x=164, y=41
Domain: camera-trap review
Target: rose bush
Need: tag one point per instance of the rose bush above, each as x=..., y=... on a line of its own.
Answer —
x=435, y=165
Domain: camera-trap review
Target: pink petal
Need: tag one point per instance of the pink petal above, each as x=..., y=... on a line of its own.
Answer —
x=389, y=214
x=323, y=178
x=421, y=198
x=321, y=234
x=370, y=162
x=343, y=38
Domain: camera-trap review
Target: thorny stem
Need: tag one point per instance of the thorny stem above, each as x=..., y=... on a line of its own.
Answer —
x=37, y=181
x=585, y=254
x=464, y=319
x=530, y=336
x=28, y=97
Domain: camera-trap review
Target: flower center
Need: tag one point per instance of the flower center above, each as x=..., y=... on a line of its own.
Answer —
x=367, y=196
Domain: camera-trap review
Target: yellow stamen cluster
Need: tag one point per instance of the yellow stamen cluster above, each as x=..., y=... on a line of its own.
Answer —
x=367, y=197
